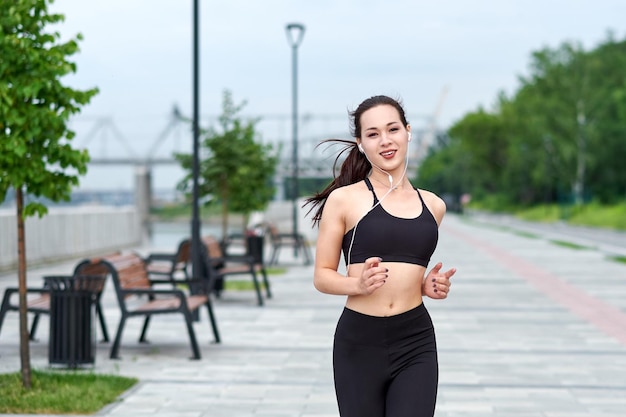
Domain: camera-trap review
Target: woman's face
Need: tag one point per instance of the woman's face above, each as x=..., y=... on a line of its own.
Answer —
x=383, y=134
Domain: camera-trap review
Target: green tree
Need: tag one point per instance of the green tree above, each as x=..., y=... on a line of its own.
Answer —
x=564, y=98
x=606, y=178
x=569, y=109
x=235, y=170
x=560, y=135
x=444, y=168
x=36, y=158
x=483, y=141
x=530, y=168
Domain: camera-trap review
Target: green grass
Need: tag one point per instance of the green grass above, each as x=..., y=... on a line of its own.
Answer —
x=595, y=215
x=570, y=245
x=182, y=211
x=544, y=213
x=591, y=214
x=245, y=285
x=621, y=259
x=60, y=393
x=240, y=285
x=275, y=270
x=523, y=233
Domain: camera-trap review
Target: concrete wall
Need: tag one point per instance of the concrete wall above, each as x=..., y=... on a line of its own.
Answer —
x=66, y=233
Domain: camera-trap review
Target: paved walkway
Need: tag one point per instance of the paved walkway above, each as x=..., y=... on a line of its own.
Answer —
x=531, y=329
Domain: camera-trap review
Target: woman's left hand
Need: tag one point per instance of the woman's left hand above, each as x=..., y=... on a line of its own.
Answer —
x=437, y=284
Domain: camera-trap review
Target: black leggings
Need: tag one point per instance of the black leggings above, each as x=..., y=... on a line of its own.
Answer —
x=386, y=366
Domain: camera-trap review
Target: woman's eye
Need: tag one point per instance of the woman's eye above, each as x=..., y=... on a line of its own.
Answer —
x=372, y=135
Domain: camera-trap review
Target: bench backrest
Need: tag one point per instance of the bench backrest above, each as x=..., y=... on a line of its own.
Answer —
x=212, y=252
x=91, y=270
x=213, y=246
x=183, y=254
x=127, y=270
x=273, y=230
x=130, y=270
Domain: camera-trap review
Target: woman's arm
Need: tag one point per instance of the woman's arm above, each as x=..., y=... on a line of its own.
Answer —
x=436, y=284
x=328, y=253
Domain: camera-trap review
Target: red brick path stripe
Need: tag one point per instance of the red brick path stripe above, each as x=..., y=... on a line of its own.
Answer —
x=609, y=319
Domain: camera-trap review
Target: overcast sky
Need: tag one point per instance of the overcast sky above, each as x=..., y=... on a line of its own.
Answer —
x=139, y=54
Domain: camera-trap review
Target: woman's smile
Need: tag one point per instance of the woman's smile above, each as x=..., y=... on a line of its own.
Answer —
x=388, y=154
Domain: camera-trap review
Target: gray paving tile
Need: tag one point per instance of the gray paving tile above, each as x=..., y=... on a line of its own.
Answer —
x=508, y=347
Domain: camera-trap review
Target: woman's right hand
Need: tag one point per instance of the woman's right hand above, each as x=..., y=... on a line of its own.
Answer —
x=373, y=276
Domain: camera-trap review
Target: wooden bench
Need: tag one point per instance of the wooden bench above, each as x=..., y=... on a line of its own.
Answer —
x=130, y=279
x=223, y=265
x=170, y=265
x=296, y=241
x=38, y=303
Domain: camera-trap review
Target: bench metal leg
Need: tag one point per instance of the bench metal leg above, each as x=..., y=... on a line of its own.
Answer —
x=299, y=245
x=118, y=338
x=306, y=251
x=216, y=333
x=192, y=335
x=274, y=256
x=266, y=281
x=144, y=329
x=5, y=307
x=103, y=325
x=257, y=287
x=33, y=327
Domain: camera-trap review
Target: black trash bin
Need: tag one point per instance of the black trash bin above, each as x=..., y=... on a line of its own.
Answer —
x=72, y=304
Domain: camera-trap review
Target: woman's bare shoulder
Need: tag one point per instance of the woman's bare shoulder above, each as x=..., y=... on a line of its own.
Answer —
x=345, y=192
x=343, y=200
x=434, y=203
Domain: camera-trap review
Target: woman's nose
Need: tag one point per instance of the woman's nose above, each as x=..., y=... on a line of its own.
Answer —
x=385, y=138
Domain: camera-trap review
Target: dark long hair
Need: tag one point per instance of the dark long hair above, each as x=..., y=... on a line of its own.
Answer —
x=355, y=167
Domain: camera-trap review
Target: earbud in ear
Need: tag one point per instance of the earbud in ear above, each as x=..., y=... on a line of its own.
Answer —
x=409, y=138
x=360, y=148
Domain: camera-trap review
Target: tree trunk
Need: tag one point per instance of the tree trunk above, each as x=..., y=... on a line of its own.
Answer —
x=21, y=273
x=224, y=219
x=581, y=155
x=245, y=221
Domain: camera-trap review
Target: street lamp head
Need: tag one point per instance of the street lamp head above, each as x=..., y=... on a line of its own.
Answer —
x=295, y=33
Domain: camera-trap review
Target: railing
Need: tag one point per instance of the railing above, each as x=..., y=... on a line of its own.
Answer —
x=66, y=233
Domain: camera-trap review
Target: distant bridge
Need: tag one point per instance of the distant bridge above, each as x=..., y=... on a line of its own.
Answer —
x=312, y=162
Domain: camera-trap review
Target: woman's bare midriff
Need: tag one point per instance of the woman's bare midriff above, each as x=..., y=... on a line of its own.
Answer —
x=401, y=292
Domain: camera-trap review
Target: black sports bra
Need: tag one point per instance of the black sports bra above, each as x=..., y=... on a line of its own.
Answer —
x=394, y=239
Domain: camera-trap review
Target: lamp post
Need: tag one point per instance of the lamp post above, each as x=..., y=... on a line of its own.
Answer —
x=195, y=218
x=295, y=33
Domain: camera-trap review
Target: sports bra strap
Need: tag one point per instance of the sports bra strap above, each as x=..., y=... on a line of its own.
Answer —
x=371, y=188
x=420, y=195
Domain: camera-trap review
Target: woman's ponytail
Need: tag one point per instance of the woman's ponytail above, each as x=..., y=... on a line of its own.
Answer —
x=353, y=169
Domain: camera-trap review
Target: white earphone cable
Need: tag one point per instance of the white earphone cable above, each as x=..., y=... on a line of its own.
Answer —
x=391, y=188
